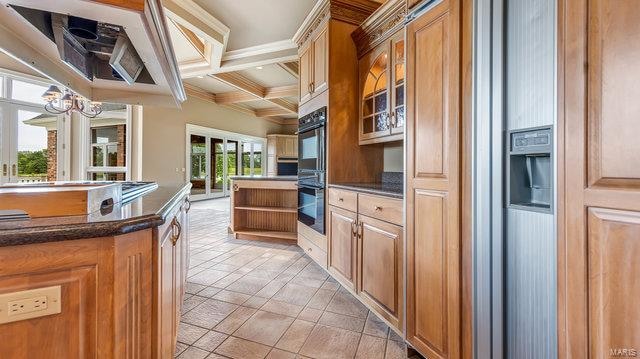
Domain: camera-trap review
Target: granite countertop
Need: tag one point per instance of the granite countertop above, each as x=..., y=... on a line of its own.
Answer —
x=265, y=178
x=147, y=211
x=394, y=190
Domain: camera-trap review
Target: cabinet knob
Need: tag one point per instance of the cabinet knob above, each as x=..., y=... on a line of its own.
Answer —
x=236, y=188
x=5, y=169
x=341, y=199
x=377, y=208
x=310, y=249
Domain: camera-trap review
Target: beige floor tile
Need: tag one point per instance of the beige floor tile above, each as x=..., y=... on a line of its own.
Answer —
x=188, y=333
x=271, y=289
x=396, y=350
x=231, y=297
x=321, y=299
x=216, y=356
x=280, y=354
x=209, y=292
x=193, y=353
x=341, y=321
x=208, y=276
x=209, y=313
x=210, y=341
x=330, y=343
x=295, y=336
x=248, y=285
x=345, y=303
x=234, y=320
x=237, y=348
x=371, y=347
x=295, y=294
x=375, y=326
x=307, y=282
x=283, y=308
x=328, y=285
x=193, y=301
x=180, y=347
x=255, y=302
x=193, y=288
x=224, y=282
x=310, y=314
x=264, y=327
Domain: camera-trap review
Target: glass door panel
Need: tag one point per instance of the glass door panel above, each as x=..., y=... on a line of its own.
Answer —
x=198, y=165
x=37, y=156
x=375, y=99
x=216, y=164
x=257, y=159
x=246, y=158
x=232, y=161
x=398, y=114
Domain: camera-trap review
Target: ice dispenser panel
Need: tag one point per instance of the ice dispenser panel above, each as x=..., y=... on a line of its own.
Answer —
x=530, y=175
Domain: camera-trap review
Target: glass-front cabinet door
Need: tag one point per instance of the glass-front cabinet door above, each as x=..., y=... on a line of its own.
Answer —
x=382, y=88
x=375, y=115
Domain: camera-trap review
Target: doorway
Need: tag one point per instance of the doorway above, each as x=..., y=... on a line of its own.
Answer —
x=214, y=156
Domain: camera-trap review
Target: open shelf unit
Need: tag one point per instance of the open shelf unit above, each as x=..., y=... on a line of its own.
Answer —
x=264, y=210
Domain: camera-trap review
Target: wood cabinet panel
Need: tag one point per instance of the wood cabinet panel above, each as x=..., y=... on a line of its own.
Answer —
x=598, y=168
x=614, y=246
x=381, y=266
x=342, y=246
x=306, y=72
x=320, y=62
x=382, y=208
x=430, y=69
x=343, y=199
x=613, y=53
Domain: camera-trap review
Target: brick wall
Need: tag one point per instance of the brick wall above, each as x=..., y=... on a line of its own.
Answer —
x=122, y=148
x=52, y=155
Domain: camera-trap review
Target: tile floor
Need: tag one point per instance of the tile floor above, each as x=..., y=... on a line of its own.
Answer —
x=250, y=299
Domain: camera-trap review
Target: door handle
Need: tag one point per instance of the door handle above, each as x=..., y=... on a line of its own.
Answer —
x=360, y=229
x=14, y=172
x=354, y=229
x=5, y=169
x=176, y=230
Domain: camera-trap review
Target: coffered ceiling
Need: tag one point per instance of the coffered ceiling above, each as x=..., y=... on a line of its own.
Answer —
x=240, y=54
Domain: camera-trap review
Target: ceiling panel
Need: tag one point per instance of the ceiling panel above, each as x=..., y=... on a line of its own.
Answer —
x=181, y=46
x=269, y=76
x=209, y=84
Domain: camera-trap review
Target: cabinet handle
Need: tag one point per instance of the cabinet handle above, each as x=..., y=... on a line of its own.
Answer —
x=5, y=169
x=13, y=170
x=354, y=229
x=341, y=199
x=188, y=203
x=377, y=208
x=310, y=249
x=360, y=229
x=176, y=230
x=236, y=188
x=394, y=120
x=313, y=87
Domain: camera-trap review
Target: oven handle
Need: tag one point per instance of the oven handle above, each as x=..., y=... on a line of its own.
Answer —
x=310, y=128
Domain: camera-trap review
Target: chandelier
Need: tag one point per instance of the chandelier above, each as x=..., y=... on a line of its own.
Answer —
x=70, y=102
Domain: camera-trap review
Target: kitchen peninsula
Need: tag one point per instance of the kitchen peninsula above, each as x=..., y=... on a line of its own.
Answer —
x=264, y=207
x=111, y=280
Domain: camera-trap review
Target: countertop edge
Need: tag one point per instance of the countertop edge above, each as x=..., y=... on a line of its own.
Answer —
x=376, y=192
x=65, y=232
x=276, y=178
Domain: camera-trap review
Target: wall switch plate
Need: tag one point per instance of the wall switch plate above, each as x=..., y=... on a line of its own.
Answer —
x=28, y=304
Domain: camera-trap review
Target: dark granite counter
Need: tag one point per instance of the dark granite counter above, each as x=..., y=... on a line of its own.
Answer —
x=394, y=190
x=147, y=211
x=265, y=178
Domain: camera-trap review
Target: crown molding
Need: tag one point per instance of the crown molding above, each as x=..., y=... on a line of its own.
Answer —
x=349, y=11
x=384, y=22
x=259, y=50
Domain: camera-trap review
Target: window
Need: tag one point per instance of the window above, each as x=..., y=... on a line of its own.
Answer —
x=108, y=145
x=27, y=91
x=257, y=159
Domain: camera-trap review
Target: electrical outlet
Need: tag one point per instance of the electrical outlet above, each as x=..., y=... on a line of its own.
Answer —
x=29, y=304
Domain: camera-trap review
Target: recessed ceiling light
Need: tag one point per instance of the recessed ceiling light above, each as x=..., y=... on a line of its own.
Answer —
x=258, y=67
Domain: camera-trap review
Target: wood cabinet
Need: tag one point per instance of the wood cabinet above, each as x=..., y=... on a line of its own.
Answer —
x=314, y=61
x=433, y=206
x=287, y=146
x=382, y=90
x=366, y=251
x=280, y=148
x=342, y=244
x=599, y=179
x=171, y=263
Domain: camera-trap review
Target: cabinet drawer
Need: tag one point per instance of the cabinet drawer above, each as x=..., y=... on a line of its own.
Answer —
x=382, y=208
x=312, y=236
x=316, y=253
x=343, y=199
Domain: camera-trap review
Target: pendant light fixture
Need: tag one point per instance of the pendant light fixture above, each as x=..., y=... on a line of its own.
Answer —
x=69, y=102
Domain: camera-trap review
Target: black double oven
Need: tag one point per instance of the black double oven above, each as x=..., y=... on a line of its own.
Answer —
x=312, y=169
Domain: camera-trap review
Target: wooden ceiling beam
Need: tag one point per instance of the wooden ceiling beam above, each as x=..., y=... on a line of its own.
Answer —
x=291, y=67
x=234, y=97
x=199, y=93
x=192, y=38
x=281, y=91
x=270, y=94
x=259, y=92
x=271, y=112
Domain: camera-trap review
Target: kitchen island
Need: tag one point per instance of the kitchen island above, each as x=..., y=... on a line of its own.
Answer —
x=107, y=284
x=264, y=207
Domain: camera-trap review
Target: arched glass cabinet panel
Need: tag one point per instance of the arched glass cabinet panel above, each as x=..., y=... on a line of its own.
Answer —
x=375, y=106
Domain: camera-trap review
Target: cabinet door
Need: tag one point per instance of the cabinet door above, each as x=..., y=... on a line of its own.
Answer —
x=380, y=267
x=290, y=146
x=272, y=168
x=374, y=91
x=320, y=62
x=342, y=246
x=306, y=72
x=433, y=182
x=167, y=297
x=398, y=83
x=281, y=145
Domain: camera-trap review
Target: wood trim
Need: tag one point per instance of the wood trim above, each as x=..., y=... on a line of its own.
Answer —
x=192, y=38
x=136, y=5
x=270, y=112
x=291, y=67
x=384, y=22
x=259, y=92
x=281, y=91
x=199, y=93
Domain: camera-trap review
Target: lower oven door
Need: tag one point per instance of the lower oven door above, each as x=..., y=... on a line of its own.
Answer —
x=311, y=207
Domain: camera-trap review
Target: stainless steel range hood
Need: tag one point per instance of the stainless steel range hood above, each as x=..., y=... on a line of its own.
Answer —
x=102, y=51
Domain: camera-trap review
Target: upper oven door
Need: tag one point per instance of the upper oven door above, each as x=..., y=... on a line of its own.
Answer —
x=311, y=150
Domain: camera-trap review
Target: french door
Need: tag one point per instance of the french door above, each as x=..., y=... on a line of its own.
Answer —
x=214, y=156
x=31, y=145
